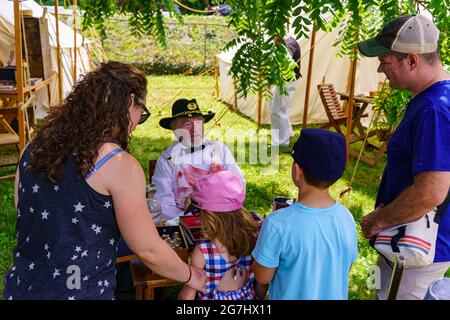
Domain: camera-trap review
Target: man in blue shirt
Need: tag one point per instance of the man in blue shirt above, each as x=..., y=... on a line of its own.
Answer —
x=305, y=251
x=417, y=175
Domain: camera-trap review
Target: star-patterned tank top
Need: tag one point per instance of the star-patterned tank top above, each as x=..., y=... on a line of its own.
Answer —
x=66, y=238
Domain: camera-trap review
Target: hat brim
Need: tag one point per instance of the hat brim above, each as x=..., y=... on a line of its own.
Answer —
x=371, y=48
x=165, y=122
x=191, y=207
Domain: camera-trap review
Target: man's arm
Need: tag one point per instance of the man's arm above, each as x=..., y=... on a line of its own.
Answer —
x=163, y=178
x=428, y=190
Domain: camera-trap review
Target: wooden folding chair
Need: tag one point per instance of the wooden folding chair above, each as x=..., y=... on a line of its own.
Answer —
x=151, y=169
x=335, y=111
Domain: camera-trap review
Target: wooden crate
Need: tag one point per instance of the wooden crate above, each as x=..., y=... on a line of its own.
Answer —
x=38, y=47
x=183, y=253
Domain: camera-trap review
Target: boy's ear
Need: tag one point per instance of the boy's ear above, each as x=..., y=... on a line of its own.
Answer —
x=297, y=172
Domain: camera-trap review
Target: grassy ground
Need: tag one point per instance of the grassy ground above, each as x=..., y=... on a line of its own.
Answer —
x=262, y=184
x=189, y=47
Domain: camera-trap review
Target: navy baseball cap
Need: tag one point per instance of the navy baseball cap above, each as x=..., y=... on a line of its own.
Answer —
x=320, y=153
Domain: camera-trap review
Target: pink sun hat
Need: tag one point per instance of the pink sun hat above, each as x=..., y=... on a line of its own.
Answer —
x=220, y=191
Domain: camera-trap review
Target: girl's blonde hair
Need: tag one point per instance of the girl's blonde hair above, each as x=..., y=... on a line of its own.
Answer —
x=236, y=230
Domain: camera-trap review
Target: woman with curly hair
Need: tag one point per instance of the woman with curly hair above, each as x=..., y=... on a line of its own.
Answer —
x=76, y=188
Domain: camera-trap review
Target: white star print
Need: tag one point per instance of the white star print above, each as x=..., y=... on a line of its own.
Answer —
x=93, y=226
x=101, y=291
x=71, y=298
x=29, y=288
x=107, y=204
x=18, y=213
x=56, y=188
x=56, y=273
x=23, y=190
x=74, y=257
x=84, y=253
x=10, y=298
x=48, y=255
x=100, y=283
x=27, y=239
x=98, y=230
x=78, y=249
x=18, y=281
x=74, y=220
x=31, y=266
x=85, y=278
x=13, y=268
x=109, y=262
x=24, y=164
x=111, y=242
x=35, y=188
x=96, y=267
x=46, y=247
x=11, y=275
x=20, y=185
x=78, y=207
x=106, y=283
x=31, y=209
x=44, y=215
x=17, y=254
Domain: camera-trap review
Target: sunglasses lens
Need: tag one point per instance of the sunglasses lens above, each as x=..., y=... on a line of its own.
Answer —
x=144, y=116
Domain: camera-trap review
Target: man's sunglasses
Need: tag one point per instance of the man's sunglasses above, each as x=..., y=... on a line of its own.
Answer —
x=145, y=114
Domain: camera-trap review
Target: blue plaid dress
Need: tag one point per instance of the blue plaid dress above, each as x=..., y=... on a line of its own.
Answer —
x=216, y=266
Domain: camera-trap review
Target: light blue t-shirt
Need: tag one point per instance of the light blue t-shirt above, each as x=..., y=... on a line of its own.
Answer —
x=312, y=250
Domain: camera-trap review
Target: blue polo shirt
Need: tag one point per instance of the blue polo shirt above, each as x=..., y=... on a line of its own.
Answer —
x=421, y=143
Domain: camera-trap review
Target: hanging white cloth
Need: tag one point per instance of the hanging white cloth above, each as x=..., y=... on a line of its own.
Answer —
x=280, y=109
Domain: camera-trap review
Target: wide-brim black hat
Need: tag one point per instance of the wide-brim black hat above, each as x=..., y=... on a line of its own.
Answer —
x=185, y=108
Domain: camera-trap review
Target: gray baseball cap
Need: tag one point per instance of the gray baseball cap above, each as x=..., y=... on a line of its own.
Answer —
x=409, y=33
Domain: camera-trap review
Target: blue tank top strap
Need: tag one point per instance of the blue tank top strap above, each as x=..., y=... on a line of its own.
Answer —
x=103, y=160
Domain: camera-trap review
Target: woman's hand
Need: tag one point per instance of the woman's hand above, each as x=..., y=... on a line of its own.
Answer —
x=198, y=279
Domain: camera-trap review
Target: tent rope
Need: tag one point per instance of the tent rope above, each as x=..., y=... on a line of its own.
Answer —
x=194, y=10
x=349, y=186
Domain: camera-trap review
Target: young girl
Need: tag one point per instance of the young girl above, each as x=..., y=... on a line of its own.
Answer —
x=230, y=235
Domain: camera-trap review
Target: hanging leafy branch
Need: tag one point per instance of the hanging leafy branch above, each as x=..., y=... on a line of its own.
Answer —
x=261, y=59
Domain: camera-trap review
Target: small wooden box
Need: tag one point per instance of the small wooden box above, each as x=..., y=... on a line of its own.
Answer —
x=183, y=253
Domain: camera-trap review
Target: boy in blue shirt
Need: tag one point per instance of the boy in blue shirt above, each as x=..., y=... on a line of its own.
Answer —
x=305, y=251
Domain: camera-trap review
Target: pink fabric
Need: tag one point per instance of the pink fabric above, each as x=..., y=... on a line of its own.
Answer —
x=219, y=192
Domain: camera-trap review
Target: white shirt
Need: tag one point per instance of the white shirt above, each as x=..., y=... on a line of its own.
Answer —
x=175, y=161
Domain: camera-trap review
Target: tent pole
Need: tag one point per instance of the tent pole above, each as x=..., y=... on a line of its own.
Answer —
x=216, y=75
x=58, y=54
x=308, y=80
x=259, y=107
x=74, y=71
x=351, y=85
x=19, y=73
x=235, y=95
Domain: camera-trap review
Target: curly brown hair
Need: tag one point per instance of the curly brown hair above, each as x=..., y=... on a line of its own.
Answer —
x=236, y=230
x=95, y=112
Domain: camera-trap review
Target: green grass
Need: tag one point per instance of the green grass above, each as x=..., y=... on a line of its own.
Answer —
x=262, y=185
x=191, y=45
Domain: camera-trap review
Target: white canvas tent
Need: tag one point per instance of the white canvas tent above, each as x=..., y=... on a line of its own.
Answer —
x=67, y=44
x=327, y=68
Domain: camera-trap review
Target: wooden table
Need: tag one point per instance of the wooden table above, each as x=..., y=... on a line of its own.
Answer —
x=358, y=114
x=145, y=280
x=365, y=100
